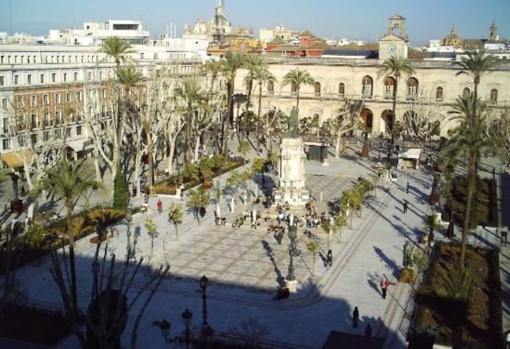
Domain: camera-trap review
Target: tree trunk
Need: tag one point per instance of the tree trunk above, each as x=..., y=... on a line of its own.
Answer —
x=197, y=147
x=471, y=178
x=136, y=175
x=297, y=101
x=72, y=262
x=258, y=116
x=338, y=146
x=171, y=155
x=188, y=134
x=393, y=119
x=150, y=159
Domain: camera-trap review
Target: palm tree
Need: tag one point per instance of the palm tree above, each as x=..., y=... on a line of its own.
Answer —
x=152, y=230
x=233, y=62
x=191, y=94
x=395, y=67
x=117, y=49
x=476, y=64
x=251, y=62
x=467, y=140
x=69, y=181
x=128, y=77
x=297, y=77
x=214, y=70
x=262, y=75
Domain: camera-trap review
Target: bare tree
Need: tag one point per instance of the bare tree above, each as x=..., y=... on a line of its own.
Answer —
x=422, y=120
x=348, y=119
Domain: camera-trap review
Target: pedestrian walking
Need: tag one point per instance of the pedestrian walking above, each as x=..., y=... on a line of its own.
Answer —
x=368, y=330
x=133, y=190
x=159, y=205
x=504, y=237
x=385, y=283
x=405, y=206
x=355, y=317
x=407, y=188
x=329, y=258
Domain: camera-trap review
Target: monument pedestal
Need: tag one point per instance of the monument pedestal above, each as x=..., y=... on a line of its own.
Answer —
x=292, y=286
x=292, y=188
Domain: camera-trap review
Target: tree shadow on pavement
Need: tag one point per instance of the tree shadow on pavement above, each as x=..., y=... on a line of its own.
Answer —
x=390, y=263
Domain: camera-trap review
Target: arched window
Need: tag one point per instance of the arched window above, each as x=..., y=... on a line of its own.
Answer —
x=270, y=87
x=494, y=96
x=317, y=88
x=389, y=87
x=439, y=94
x=293, y=88
x=466, y=92
x=341, y=89
x=412, y=88
x=367, y=87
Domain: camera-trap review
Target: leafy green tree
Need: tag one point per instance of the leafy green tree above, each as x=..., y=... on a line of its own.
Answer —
x=339, y=223
x=69, y=181
x=314, y=248
x=198, y=200
x=175, y=216
x=152, y=230
x=395, y=67
x=297, y=78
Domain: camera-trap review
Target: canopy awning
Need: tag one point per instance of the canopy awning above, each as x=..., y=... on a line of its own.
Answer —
x=16, y=159
x=410, y=154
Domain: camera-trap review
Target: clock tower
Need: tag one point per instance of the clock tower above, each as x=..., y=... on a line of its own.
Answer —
x=395, y=42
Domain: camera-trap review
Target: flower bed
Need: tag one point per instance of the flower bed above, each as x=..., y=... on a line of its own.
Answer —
x=482, y=326
x=485, y=207
x=192, y=175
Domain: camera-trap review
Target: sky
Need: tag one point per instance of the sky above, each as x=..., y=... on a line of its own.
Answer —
x=334, y=19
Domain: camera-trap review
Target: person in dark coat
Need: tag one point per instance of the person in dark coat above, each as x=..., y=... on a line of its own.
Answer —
x=355, y=317
x=368, y=330
x=329, y=258
x=406, y=204
x=407, y=187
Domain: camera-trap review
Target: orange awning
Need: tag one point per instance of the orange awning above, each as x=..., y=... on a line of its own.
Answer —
x=16, y=159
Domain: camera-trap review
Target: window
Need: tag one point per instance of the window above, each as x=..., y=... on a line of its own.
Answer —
x=89, y=76
x=75, y=76
x=68, y=132
x=6, y=125
x=270, y=87
x=58, y=134
x=46, y=136
x=33, y=138
x=367, y=85
x=20, y=102
x=317, y=89
x=4, y=103
x=57, y=97
x=100, y=75
x=68, y=97
x=80, y=97
x=46, y=100
x=58, y=118
x=53, y=77
x=33, y=101
x=41, y=78
x=2, y=80
x=33, y=119
x=412, y=88
x=389, y=87
x=5, y=143
x=439, y=94
x=494, y=96
x=65, y=77
x=141, y=55
x=341, y=89
x=16, y=79
x=46, y=120
x=29, y=79
x=466, y=92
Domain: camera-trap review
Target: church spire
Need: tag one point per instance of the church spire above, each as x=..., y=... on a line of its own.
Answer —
x=493, y=31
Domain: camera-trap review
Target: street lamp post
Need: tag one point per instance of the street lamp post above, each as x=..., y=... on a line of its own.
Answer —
x=292, y=247
x=206, y=329
x=186, y=318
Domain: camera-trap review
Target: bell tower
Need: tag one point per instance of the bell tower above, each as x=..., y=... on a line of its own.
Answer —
x=397, y=26
x=494, y=32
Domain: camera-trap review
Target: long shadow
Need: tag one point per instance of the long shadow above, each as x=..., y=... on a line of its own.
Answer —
x=280, y=279
x=390, y=263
